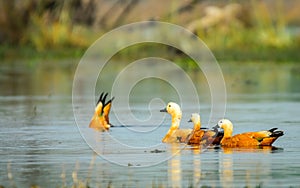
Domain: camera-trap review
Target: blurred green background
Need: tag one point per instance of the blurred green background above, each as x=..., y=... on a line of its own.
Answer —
x=256, y=42
x=234, y=30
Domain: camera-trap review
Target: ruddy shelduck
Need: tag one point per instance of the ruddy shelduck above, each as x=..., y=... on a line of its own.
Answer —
x=100, y=120
x=248, y=139
x=175, y=134
x=203, y=137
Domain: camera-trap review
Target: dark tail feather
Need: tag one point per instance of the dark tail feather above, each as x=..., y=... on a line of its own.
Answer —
x=109, y=101
x=272, y=130
x=276, y=134
x=104, y=98
x=100, y=98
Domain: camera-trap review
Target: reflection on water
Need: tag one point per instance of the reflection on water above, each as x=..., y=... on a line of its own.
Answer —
x=43, y=150
x=197, y=166
x=41, y=144
x=226, y=170
x=50, y=78
x=174, y=167
x=256, y=149
x=46, y=78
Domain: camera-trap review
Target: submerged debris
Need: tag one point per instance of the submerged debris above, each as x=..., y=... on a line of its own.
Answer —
x=157, y=151
x=129, y=164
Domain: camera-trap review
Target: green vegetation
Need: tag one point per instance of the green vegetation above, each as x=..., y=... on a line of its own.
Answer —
x=234, y=31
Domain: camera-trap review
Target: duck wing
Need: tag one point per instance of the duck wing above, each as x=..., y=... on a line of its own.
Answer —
x=266, y=138
x=240, y=140
x=177, y=136
x=195, y=137
x=106, y=109
x=212, y=137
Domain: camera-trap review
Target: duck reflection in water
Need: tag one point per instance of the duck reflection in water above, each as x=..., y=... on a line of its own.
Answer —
x=174, y=170
x=226, y=171
x=253, y=149
x=175, y=166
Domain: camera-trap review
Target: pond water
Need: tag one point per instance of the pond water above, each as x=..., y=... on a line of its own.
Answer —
x=42, y=145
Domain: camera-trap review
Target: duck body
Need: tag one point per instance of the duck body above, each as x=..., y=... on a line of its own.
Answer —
x=100, y=119
x=174, y=134
x=178, y=136
x=248, y=139
x=195, y=137
x=203, y=137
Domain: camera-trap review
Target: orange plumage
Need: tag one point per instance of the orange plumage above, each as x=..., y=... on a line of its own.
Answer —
x=100, y=120
x=248, y=139
x=200, y=136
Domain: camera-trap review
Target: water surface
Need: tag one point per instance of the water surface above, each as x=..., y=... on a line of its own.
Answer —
x=42, y=145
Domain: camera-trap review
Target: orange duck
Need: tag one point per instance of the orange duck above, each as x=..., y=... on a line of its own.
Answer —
x=248, y=139
x=100, y=120
x=203, y=137
x=175, y=134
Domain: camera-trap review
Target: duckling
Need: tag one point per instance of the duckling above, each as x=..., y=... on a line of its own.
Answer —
x=197, y=133
x=100, y=120
x=175, y=134
x=203, y=137
x=248, y=139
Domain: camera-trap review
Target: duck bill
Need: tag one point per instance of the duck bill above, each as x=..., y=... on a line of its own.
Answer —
x=163, y=110
x=216, y=127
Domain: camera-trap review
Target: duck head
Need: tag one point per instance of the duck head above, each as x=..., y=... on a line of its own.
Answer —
x=100, y=120
x=226, y=125
x=173, y=109
x=195, y=118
